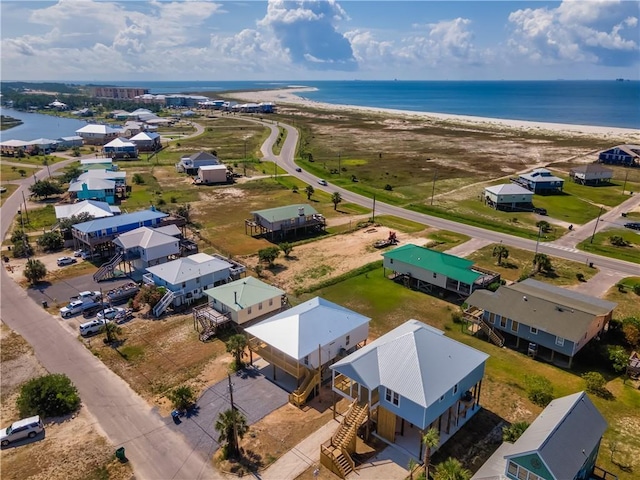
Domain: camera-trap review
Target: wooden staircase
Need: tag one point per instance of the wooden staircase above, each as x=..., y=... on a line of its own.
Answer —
x=336, y=453
x=300, y=395
x=106, y=270
x=494, y=337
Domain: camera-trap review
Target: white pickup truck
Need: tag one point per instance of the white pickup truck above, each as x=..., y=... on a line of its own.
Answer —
x=74, y=307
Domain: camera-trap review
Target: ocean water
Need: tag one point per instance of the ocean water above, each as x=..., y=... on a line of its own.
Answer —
x=589, y=102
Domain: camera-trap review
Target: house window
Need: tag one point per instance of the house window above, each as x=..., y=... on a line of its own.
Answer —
x=442, y=398
x=198, y=280
x=347, y=340
x=249, y=310
x=513, y=468
x=392, y=397
x=391, y=260
x=503, y=322
x=306, y=360
x=514, y=326
x=533, y=330
x=559, y=341
x=435, y=275
x=260, y=306
x=455, y=389
x=270, y=301
x=492, y=317
x=184, y=284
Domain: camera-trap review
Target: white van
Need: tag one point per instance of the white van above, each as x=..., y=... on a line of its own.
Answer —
x=91, y=327
x=26, y=428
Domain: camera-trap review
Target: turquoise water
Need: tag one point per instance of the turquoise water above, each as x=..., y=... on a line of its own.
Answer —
x=608, y=103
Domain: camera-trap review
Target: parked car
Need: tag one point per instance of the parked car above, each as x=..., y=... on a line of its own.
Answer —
x=298, y=169
x=88, y=296
x=62, y=261
x=322, y=182
x=540, y=211
x=632, y=225
x=111, y=313
x=25, y=428
x=92, y=311
x=75, y=307
x=77, y=253
x=91, y=327
x=90, y=256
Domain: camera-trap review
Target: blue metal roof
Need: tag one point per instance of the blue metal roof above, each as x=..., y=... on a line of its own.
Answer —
x=119, y=220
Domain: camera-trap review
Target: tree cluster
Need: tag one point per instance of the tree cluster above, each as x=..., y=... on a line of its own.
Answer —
x=48, y=396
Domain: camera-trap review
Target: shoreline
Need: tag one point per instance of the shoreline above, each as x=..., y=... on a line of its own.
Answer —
x=290, y=96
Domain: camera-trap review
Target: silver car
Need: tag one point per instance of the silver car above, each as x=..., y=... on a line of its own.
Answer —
x=25, y=428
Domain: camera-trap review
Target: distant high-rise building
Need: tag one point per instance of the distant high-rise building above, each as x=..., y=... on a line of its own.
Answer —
x=122, y=93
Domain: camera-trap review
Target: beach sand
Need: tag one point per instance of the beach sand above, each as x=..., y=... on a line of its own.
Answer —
x=293, y=97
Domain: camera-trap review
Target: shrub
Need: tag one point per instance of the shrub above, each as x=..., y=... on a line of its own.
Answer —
x=388, y=187
x=595, y=383
x=514, y=431
x=173, y=199
x=182, y=397
x=137, y=179
x=161, y=201
x=580, y=277
x=34, y=271
x=618, y=241
x=618, y=357
x=636, y=289
x=48, y=396
x=51, y=241
x=457, y=317
x=539, y=390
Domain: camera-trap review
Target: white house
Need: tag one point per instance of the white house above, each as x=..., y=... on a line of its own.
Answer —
x=91, y=207
x=509, y=196
x=212, y=174
x=192, y=163
x=94, y=134
x=145, y=247
x=305, y=339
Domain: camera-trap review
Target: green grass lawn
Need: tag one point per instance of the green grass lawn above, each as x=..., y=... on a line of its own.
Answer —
x=10, y=189
x=567, y=208
x=520, y=262
x=602, y=246
x=609, y=194
x=626, y=299
x=12, y=172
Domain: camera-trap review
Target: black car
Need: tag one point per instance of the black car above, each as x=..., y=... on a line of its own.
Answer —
x=91, y=311
x=633, y=225
x=540, y=211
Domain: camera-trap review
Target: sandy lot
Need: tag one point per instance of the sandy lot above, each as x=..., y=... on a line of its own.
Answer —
x=321, y=260
x=72, y=448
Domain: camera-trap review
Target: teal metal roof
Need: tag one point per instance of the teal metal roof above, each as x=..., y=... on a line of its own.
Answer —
x=243, y=293
x=451, y=266
x=285, y=213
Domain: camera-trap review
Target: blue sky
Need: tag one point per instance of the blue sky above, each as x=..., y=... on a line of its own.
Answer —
x=87, y=40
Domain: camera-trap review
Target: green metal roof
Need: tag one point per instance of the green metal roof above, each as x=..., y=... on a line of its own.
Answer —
x=243, y=293
x=451, y=266
x=285, y=213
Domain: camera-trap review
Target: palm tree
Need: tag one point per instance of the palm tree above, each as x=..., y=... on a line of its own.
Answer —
x=235, y=346
x=336, y=198
x=451, y=469
x=309, y=190
x=542, y=262
x=430, y=439
x=501, y=252
x=231, y=425
x=112, y=330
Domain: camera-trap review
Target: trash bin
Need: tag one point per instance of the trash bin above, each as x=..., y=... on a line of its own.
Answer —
x=120, y=454
x=590, y=264
x=45, y=304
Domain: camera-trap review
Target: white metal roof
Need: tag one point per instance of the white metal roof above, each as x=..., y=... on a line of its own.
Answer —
x=92, y=184
x=119, y=142
x=92, y=207
x=298, y=331
x=94, y=161
x=97, y=129
x=184, y=269
x=103, y=174
x=415, y=360
x=144, y=237
x=14, y=143
x=508, y=189
x=145, y=136
x=213, y=167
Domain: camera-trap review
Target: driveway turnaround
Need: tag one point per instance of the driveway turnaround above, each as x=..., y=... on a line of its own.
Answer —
x=253, y=394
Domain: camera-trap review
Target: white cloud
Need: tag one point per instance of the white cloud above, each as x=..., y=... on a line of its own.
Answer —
x=576, y=32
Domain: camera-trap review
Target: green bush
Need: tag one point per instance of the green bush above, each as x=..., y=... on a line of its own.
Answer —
x=182, y=397
x=48, y=396
x=595, y=383
x=457, y=317
x=514, y=431
x=539, y=390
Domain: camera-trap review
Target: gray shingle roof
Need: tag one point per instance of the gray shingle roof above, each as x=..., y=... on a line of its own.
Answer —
x=144, y=237
x=415, y=360
x=563, y=435
x=551, y=309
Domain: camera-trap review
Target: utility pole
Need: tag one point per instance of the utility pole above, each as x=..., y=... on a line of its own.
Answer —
x=373, y=216
x=537, y=243
x=233, y=416
x=339, y=164
x=596, y=226
x=433, y=188
x=244, y=163
x=625, y=181
x=25, y=207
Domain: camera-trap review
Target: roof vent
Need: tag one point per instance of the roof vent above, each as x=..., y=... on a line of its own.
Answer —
x=524, y=297
x=559, y=308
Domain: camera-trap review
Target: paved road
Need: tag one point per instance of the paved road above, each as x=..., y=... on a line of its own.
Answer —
x=559, y=249
x=154, y=449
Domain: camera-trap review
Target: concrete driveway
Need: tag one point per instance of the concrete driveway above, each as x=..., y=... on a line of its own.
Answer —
x=253, y=394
